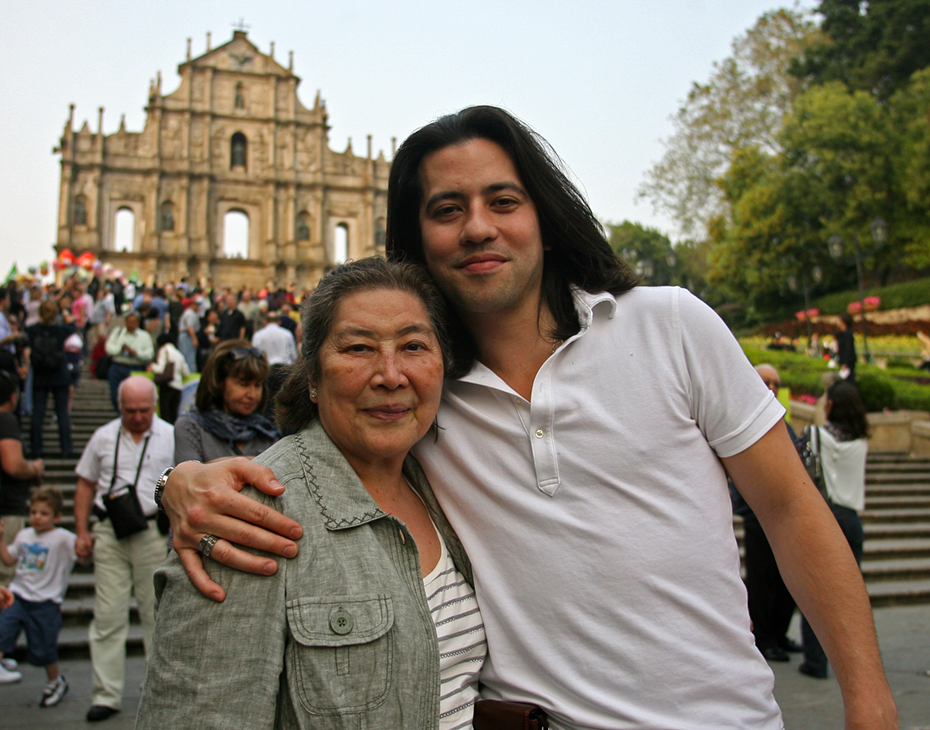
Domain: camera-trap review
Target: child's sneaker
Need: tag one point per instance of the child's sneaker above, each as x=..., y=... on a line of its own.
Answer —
x=8, y=677
x=8, y=663
x=54, y=692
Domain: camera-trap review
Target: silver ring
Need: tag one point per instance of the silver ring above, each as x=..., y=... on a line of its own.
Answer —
x=206, y=545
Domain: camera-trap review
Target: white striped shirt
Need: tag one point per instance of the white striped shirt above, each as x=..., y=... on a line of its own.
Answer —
x=462, y=643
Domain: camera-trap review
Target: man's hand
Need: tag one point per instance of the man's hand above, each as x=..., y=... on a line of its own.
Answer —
x=84, y=545
x=6, y=598
x=204, y=499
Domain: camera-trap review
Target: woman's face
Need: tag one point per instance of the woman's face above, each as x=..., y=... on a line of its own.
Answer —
x=380, y=376
x=241, y=397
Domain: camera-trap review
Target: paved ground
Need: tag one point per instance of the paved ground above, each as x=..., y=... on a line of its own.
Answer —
x=808, y=704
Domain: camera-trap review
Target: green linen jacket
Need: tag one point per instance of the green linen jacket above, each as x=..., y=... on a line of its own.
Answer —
x=340, y=637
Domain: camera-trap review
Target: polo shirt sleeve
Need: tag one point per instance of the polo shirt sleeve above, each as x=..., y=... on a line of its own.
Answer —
x=89, y=466
x=729, y=401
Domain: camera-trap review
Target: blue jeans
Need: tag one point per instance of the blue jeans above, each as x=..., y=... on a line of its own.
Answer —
x=118, y=373
x=186, y=346
x=851, y=525
x=39, y=399
x=42, y=624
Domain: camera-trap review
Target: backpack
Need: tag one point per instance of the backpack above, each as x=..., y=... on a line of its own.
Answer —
x=47, y=353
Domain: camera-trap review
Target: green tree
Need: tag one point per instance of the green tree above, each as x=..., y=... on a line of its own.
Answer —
x=872, y=46
x=647, y=250
x=741, y=105
x=910, y=114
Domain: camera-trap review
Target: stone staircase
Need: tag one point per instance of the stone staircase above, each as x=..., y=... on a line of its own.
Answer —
x=896, y=518
x=90, y=410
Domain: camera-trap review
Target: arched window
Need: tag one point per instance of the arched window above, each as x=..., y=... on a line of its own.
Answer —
x=303, y=227
x=341, y=244
x=167, y=216
x=236, y=235
x=79, y=217
x=238, y=147
x=125, y=235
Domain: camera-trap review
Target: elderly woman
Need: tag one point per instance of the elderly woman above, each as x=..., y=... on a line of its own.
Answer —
x=227, y=419
x=843, y=446
x=373, y=624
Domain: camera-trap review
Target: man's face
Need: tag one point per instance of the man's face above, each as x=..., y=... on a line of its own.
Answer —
x=480, y=230
x=137, y=410
x=132, y=322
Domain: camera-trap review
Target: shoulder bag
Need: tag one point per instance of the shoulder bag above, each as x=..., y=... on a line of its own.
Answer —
x=808, y=446
x=122, y=505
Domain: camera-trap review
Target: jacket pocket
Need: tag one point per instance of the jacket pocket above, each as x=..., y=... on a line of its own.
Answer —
x=340, y=655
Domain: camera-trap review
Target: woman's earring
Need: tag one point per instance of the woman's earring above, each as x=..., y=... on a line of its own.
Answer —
x=313, y=392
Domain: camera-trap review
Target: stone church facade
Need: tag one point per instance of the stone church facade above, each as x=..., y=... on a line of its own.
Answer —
x=234, y=138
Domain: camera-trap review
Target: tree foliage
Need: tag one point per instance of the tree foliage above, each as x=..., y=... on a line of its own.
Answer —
x=741, y=105
x=870, y=46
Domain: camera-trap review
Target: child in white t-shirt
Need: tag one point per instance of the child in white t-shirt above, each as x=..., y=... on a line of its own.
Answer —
x=44, y=557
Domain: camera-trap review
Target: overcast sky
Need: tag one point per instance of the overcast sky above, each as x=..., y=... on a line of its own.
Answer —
x=598, y=78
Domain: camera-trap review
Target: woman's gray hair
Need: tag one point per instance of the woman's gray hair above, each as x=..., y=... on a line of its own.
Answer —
x=294, y=409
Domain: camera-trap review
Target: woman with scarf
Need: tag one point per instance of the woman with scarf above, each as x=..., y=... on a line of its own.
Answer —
x=226, y=419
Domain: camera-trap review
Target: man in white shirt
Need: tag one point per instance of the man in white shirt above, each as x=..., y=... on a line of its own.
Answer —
x=276, y=342
x=585, y=430
x=130, y=450
x=131, y=348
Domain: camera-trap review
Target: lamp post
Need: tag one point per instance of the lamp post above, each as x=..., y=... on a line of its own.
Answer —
x=817, y=275
x=879, y=231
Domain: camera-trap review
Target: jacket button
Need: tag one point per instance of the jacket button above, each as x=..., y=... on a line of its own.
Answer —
x=341, y=621
x=540, y=433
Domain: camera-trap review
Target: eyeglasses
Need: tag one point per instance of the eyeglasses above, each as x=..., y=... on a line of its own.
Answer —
x=241, y=353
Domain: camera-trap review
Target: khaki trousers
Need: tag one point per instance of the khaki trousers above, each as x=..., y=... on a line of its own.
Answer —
x=11, y=525
x=122, y=568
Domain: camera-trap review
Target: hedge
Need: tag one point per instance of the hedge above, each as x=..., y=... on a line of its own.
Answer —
x=895, y=296
x=904, y=388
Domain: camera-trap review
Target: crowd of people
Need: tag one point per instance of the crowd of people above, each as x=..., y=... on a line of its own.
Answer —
x=502, y=492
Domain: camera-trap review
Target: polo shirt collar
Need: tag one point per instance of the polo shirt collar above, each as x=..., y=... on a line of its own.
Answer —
x=586, y=304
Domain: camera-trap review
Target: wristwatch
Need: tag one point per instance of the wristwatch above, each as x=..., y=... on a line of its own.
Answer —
x=160, y=486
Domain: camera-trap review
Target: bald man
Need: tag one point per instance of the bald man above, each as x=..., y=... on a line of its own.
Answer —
x=129, y=451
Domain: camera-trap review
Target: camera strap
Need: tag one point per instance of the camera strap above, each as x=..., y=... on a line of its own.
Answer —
x=145, y=447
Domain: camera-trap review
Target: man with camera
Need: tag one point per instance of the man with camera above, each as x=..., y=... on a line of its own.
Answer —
x=116, y=482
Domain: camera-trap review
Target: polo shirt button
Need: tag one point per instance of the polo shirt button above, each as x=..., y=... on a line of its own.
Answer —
x=341, y=622
x=540, y=433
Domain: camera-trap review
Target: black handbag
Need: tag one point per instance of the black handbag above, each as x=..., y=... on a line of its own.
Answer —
x=122, y=505
x=166, y=375
x=808, y=446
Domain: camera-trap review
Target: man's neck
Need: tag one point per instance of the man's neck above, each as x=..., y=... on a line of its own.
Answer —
x=514, y=345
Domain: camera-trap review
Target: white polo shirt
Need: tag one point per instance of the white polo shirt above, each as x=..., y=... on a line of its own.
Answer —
x=96, y=464
x=598, y=521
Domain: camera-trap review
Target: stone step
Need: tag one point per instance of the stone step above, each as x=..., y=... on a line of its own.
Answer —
x=899, y=592
x=875, y=571
x=79, y=611
x=876, y=503
x=885, y=549
x=73, y=643
x=893, y=490
x=917, y=514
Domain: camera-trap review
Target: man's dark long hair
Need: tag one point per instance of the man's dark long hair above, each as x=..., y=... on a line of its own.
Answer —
x=576, y=252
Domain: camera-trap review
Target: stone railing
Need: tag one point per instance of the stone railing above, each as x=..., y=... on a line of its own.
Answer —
x=902, y=431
